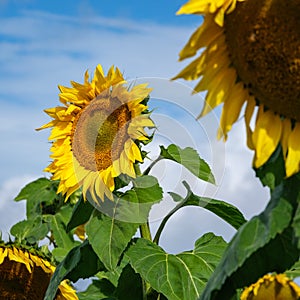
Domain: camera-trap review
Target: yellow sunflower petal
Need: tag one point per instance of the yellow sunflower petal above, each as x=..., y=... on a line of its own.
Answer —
x=3, y=254
x=286, y=131
x=292, y=163
x=67, y=293
x=231, y=109
x=203, y=36
x=275, y=287
x=265, y=136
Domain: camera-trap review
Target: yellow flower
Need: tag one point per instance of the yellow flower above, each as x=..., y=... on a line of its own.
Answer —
x=95, y=133
x=272, y=287
x=251, y=57
x=24, y=275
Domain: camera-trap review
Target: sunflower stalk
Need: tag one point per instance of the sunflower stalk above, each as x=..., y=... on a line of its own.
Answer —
x=144, y=228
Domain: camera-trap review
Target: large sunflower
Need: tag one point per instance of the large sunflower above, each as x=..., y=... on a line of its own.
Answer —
x=24, y=275
x=275, y=287
x=96, y=132
x=251, y=56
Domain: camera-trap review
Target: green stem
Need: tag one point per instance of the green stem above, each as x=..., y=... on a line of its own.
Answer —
x=145, y=233
x=165, y=220
x=146, y=172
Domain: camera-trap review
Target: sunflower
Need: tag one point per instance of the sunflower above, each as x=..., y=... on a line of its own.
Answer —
x=96, y=133
x=250, y=57
x=275, y=287
x=24, y=275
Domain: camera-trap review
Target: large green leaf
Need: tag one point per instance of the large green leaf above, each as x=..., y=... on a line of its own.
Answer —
x=130, y=285
x=264, y=244
x=57, y=224
x=81, y=214
x=30, y=231
x=38, y=194
x=190, y=159
x=178, y=277
x=80, y=262
x=109, y=237
x=134, y=205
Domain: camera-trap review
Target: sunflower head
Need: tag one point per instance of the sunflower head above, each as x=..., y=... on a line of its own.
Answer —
x=250, y=57
x=276, y=287
x=24, y=275
x=96, y=133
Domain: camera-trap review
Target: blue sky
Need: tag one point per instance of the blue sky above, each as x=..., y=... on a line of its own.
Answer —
x=46, y=43
x=162, y=11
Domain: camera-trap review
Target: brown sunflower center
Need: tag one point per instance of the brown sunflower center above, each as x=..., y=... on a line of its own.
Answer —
x=17, y=283
x=263, y=39
x=99, y=133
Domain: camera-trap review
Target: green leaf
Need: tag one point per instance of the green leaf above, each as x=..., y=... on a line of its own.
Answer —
x=224, y=210
x=81, y=214
x=80, y=262
x=294, y=271
x=37, y=193
x=130, y=285
x=272, y=173
x=59, y=253
x=57, y=224
x=178, y=277
x=110, y=233
x=109, y=237
x=228, y=212
x=190, y=159
x=99, y=289
x=31, y=231
x=296, y=221
x=134, y=205
x=264, y=244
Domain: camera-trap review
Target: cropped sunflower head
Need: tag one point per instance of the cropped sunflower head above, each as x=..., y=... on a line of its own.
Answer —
x=24, y=275
x=96, y=133
x=250, y=55
x=275, y=287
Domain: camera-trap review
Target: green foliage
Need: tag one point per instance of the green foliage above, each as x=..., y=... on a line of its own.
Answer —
x=98, y=290
x=126, y=267
x=80, y=214
x=57, y=224
x=134, y=205
x=109, y=237
x=80, y=262
x=264, y=244
x=30, y=231
x=40, y=195
x=130, y=285
x=226, y=211
x=190, y=159
x=272, y=173
x=182, y=276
